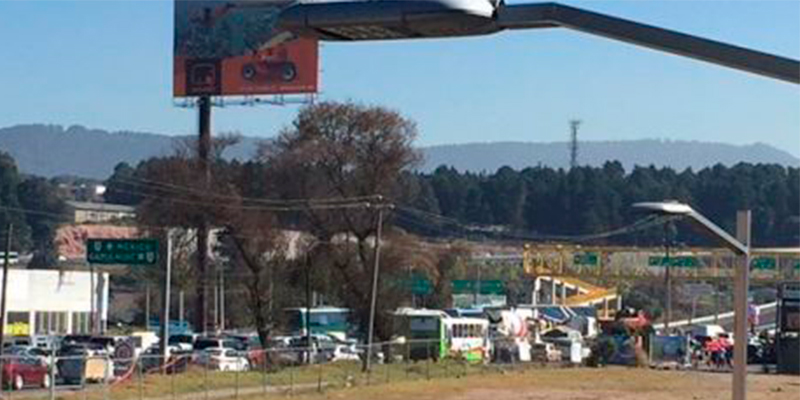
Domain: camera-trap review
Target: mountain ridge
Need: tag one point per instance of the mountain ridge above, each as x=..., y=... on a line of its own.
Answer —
x=51, y=150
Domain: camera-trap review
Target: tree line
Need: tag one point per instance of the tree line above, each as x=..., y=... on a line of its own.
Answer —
x=581, y=200
x=35, y=209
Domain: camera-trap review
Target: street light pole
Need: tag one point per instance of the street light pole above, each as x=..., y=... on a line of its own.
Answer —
x=741, y=247
x=741, y=286
x=668, y=276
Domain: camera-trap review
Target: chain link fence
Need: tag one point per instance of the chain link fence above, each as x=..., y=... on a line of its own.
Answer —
x=232, y=374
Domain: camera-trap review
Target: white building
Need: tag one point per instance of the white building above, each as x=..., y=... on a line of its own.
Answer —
x=54, y=302
x=84, y=212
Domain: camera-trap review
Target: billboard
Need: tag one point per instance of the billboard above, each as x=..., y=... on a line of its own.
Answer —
x=234, y=48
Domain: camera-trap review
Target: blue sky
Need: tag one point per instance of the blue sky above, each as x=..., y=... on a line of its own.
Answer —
x=107, y=64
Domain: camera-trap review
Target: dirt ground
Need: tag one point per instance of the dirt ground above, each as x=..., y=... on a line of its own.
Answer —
x=578, y=384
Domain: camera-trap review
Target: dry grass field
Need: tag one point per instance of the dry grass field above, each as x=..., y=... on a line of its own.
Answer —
x=574, y=384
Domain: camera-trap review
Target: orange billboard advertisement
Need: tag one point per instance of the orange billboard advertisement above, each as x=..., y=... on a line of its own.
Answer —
x=224, y=49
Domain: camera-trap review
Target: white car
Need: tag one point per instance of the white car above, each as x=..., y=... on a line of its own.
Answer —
x=204, y=346
x=227, y=360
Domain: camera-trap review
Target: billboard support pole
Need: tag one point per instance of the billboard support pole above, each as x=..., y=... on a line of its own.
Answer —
x=203, y=153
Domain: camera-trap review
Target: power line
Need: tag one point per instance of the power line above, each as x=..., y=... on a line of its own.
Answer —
x=642, y=224
x=275, y=208
x=165, y=186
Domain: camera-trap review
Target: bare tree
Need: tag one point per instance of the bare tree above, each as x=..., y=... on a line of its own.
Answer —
x=258, y=253
x=354, y=153
x=174, y=195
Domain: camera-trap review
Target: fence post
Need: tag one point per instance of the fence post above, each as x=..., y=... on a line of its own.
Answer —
x=83, y=381
x=172, y=376
x=291, y=381
x=52, y=374
x=319, y=378
x=205, y=377
x=106, y=368
x=236, y=380
x=408, y=358
x=264, y=372
x=140, y=367
x=428, y=361
x=514, y=357
x=387, y=365
x=11, y=384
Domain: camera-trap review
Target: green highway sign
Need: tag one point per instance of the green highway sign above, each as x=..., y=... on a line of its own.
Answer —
x=122, y=251
x=763, y=263
x=420, y=286
x=678, y=261
x=588, y=258
x=461, y=286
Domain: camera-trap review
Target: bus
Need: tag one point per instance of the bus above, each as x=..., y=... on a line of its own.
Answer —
x=434, y=334
x=332, y=321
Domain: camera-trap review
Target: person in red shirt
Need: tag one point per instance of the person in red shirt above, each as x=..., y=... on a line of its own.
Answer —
x=714, y=349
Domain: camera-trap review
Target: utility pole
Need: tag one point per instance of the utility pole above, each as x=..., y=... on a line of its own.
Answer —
x=574, y=125
x=375, y=272
x=203, y=155
x=93, y=300
x=167, y=300
x=180, y=306
x=6, y=261
x=309, y=346
x=222, y=299
x=216, y=301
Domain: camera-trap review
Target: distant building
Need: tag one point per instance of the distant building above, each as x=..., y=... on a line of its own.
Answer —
x=85, y=212
x=43, y=302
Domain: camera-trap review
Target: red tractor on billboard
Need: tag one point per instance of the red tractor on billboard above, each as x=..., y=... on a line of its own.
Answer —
x=273, y=65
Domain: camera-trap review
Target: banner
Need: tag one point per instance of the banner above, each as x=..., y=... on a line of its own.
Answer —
x=669, y=349
x=231, y=48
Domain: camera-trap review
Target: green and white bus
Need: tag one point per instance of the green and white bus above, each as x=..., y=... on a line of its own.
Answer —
x=434, y=334
x=331, y=321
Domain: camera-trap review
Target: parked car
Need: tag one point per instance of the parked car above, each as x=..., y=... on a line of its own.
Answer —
x=177, y=362
x=20, y=371
x=321, y=349
x=204, y=345
x=28, y=351
x=251, y=343
x=184, y=342
x=17, y=341
x=280, y=353
x=227, y=360
x=83, y=362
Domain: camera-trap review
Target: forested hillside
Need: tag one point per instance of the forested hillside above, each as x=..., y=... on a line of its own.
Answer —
x=586, y=199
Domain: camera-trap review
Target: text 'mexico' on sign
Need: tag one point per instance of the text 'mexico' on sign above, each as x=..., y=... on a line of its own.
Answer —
x=122, y=251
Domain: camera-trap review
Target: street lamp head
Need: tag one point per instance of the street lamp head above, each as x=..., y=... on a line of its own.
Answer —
x=677, y=209
x=670, y=207
x=355, y=20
